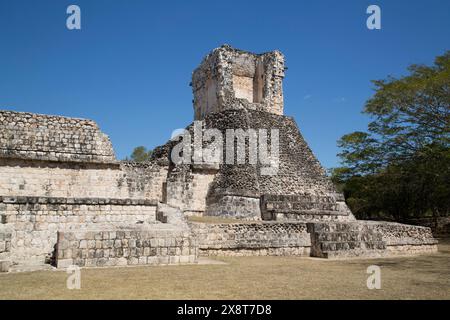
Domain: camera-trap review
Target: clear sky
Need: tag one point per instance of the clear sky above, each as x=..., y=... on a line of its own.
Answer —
x=129, y=67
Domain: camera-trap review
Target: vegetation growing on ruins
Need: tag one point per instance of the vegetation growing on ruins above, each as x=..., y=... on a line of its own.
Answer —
x=400, y=167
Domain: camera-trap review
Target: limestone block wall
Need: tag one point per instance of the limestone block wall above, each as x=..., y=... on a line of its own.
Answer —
x=54, y=156
x=59, y=174
x=369, y=239
x=397, y=234
x=143, y=180
x=341, y=239
x=20, y=177
x=439, y=225
x=201, y=181
x=235, y=206
x=125, y=247
x=35, y=221
x=265, y=238
x=187, y=188
x=43, y=137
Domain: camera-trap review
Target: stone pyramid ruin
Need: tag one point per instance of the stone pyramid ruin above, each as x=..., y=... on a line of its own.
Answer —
x=66, y=200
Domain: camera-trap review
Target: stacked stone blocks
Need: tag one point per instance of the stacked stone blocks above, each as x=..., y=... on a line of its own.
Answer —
x=242, y=239
x=55, y=138
x=125, y=247
x=368, y=239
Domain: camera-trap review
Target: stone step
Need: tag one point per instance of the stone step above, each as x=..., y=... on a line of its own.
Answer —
x=30, y=267
x=344, y=240
x=347, y=236
x=334, y=227
x=171, y=215
x=355, y=253
x=327, y=246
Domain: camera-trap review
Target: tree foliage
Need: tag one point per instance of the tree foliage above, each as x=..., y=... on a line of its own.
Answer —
x=400, y=167
x=140, y=154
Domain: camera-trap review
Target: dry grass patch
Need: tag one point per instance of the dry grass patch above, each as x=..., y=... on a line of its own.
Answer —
x=422, y=277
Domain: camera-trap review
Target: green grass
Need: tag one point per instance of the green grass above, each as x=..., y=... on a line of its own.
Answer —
x=421, y=277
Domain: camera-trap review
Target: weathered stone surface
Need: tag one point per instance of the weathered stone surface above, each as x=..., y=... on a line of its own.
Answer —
x=5, y=265
x=264, y=238
x=43, y=137
x=35, y=221
x=127, y=180
x=369, y=239
x=229, y=78
x=65, y=199
x=138, y=246
x=299, y=190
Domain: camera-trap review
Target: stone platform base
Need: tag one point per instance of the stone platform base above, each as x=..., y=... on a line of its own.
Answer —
x=411, y=249
x=139, y=246
x=252, y=239
x=171, y=243
x=289, y=251
x=30, y=268
x=330, y=240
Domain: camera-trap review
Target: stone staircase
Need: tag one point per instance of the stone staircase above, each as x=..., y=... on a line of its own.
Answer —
x=335, y=240
x=171, y=215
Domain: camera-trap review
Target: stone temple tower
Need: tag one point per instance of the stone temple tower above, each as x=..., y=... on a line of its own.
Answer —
x=230, y=78
x=239, y=90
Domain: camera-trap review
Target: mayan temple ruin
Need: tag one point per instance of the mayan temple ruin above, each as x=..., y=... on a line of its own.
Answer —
x=66, y=200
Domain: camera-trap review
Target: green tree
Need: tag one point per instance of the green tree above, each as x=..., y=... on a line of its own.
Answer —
x=140, y=154
x=400, y=167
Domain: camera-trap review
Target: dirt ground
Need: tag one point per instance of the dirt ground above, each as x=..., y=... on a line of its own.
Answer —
x=420, y=277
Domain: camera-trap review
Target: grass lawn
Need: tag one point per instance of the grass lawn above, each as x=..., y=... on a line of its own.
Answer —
x=421, y=277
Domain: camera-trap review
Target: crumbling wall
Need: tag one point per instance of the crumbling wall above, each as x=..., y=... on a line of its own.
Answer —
x=243, y=239
x=34, y=221
x=337, y=240
x=143, y=180
x=334, y=240
x=235, y=189
x=55, y=156
x=439, y=225
x=33, y=136
x=299, y=177
x=229, y=78
x=59, y=174
x=397, y=234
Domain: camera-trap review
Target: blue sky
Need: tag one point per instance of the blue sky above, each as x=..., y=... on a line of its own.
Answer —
x=129, y=67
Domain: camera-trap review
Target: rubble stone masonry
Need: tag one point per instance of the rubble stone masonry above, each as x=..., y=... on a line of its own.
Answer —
x=65, y=199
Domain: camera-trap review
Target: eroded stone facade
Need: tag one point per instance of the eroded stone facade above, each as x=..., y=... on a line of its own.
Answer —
x=65, y=199
x=229, y=78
